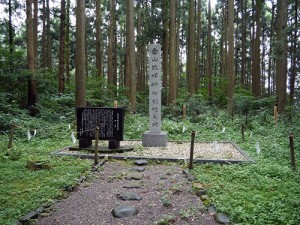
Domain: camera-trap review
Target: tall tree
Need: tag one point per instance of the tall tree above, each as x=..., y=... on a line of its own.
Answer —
x=209, y=57
x=111, y=70
x=10, y=28
x=191, y=48
x=44, y=35
x=80, y=70
x=244, y=38
x=32, y=90
x=256, y=73
x=49, y=38
x=98, y=24
x=198, y=44
x=139, y=54
x=281, y=53
x=35, y=31
x=294, y=54
x=61, y=64
x=130, y=55
x=230, y=55
x=270, y=61
x=67, y=42
x=165, y=64
x=173, y=52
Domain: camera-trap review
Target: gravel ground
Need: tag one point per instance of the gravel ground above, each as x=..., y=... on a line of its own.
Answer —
x=165, y=191
x=202, y=150
x=180, y=150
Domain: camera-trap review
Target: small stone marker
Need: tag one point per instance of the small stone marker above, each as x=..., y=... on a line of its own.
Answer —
x=154, y=137
x=221, y=218
x=134, y=176
x=124, y=211
x=133, y=185
x=140, y=162
x=138, y=168
x=129, y=196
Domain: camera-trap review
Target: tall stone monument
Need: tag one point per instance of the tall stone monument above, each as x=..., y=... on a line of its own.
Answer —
x=154, y=137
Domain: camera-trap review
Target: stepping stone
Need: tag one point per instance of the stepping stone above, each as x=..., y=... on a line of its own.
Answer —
x=134, y=176
x=221, y=218
x=189, y=176
x=212, y=210
x=29, y=216
x=128, y=196
x=204, y=198
x=201, y=192
x=140, y=162
x=124, y=211
x=133, y=184
x=138, y=168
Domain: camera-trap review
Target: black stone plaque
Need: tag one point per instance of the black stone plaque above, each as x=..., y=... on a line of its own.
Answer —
x=109, y=120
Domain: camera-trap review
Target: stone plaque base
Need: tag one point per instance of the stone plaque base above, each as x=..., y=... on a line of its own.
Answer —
x=150, y=139
x=85, y=143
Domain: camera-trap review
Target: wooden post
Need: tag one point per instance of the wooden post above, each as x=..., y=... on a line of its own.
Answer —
x=243, y=132
x=192, y=150
x=11, y=136
x=184, y=111
x=115, y=104
x=292, y=151
x=96, y=145
x=275, y=114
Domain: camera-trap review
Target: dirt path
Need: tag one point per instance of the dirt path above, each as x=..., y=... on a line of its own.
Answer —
x=166, y=198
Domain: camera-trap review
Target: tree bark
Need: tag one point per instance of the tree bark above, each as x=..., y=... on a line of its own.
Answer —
x=191, y=48
x=172, y=66
x=256, y=84
x=244, y=39
x=32, y=90
x=270, y=61
x=98, y=24
x=61, y=65
x=294, y=55
x=49, y=38
x=35, y=32
x=209, y=57
x=130, y=55
x=230, y=56
x=111, y=45
x=281, y=54
x=198, y=45
x=80, y=70
x=67, y=42
x=44, y=36
x=10, y=28
x=165, y=61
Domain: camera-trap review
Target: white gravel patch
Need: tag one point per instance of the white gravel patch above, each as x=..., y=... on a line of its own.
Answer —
x=202, y=150
x=174, y=150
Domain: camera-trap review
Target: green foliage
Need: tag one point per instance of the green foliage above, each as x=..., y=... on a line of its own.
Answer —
x=167, y=219
x=261, y=193
x=21, y=189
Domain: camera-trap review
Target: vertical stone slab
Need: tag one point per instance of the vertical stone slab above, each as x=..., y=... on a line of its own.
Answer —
x=154, y=137
x=154, y=72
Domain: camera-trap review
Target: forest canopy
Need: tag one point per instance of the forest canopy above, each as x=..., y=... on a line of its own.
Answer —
x=217, y=49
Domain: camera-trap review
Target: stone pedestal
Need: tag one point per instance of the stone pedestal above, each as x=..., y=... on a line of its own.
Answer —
x=150, y=139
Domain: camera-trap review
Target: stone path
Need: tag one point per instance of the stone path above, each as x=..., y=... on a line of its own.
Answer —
x=120, y=193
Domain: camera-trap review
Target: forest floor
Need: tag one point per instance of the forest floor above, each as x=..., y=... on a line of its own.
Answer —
x=165, y=196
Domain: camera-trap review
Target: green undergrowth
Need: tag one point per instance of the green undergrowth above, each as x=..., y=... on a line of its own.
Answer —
x=22, y=189
x=264, y=192
x=261, y=193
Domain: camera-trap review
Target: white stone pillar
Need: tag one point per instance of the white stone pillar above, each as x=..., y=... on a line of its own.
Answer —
x=154, y=137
